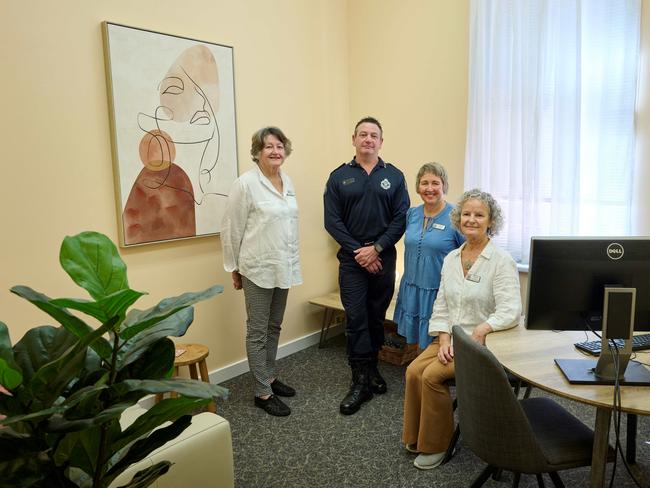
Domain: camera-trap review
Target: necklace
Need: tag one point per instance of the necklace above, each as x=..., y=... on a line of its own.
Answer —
x=468, y=259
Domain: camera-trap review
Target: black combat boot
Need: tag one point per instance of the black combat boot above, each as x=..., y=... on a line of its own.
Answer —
x=359, y=390
x=377, y=382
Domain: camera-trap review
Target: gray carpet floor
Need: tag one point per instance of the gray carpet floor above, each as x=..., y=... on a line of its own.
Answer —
x=318, y=447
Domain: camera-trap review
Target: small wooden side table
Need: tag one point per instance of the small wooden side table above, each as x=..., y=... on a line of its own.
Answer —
x=192, y=355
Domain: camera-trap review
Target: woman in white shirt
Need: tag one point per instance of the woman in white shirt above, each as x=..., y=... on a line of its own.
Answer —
x=479, y=290
x=259, y=237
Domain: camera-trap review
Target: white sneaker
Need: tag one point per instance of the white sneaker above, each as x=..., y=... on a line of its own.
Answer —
x=429, y=461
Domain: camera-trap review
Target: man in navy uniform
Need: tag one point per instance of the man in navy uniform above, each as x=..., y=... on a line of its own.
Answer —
x=365, y=212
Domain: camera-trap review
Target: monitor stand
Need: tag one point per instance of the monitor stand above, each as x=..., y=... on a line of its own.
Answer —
x=618, y=323
x=583, y=372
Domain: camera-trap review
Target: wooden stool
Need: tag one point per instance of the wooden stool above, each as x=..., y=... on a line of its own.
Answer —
x=192, y=354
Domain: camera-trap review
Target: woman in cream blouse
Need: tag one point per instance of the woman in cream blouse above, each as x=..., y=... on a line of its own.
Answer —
x=479, y=290
x=259, y=237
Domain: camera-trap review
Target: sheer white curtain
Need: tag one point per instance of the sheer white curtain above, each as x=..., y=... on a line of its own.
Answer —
x=552, y=95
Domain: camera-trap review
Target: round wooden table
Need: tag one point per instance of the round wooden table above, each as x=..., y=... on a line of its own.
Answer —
x=530, y=355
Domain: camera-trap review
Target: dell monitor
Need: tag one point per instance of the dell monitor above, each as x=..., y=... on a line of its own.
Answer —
x=567, y=277
x=579, y=283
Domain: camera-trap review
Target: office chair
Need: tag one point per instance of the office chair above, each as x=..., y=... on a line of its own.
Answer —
x=531, y=436
x=515, y=383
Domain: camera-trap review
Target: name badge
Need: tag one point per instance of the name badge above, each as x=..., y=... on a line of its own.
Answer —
x=473, y=277
x=439, y=226
x=290, y=194
x=347, y=181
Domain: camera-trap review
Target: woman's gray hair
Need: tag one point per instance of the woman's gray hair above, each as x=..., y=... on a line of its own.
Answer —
x=496, y=215
x=257, y=141
x=435, y=169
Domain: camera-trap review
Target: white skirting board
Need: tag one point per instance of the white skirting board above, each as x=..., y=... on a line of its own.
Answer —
x=240, y=367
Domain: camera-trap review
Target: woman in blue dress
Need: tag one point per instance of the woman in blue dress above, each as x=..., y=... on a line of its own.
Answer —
x=429, y=238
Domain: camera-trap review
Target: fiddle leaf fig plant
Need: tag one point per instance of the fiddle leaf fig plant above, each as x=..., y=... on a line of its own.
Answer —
x=63, y=388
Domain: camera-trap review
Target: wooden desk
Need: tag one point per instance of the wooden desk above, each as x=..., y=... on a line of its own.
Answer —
x=332, y=304
x=529, y=354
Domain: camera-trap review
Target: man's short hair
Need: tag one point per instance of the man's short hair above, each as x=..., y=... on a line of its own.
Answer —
x=369, y=120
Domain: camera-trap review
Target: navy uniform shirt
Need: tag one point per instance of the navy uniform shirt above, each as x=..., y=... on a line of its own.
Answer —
x=362, y=208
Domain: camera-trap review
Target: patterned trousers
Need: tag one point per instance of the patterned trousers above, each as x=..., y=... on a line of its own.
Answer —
x=265, y=310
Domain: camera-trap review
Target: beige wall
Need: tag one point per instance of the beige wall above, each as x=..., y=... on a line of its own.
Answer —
x=408, y=66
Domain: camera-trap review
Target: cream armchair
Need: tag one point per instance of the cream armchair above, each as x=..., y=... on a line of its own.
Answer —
x=201, y=454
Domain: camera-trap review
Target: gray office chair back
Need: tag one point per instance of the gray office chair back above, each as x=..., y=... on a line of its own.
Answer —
x=492, y=421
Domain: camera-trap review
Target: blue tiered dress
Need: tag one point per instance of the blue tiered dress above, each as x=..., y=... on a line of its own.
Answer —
x=425, y=249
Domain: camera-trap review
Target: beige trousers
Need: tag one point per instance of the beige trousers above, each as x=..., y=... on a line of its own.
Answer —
x=428, y=412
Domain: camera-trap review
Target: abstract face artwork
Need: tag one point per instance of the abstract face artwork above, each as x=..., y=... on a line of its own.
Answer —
x=176, y=96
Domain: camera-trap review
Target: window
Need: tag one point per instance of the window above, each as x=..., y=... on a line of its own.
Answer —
x=552, y=95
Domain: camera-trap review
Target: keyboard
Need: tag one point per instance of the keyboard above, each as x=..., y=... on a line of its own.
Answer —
x=639, y=343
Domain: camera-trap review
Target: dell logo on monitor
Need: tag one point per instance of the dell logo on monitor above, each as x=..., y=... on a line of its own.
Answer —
x=615, y=251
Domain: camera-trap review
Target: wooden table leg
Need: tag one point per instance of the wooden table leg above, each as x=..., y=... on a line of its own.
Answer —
x=193, y=374
x=206, y=377
x=173, y=394
x=325, y=326
x=601, y=445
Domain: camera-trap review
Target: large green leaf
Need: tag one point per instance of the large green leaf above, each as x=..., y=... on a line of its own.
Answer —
x=6, y=352
x=50, y=380
x=40, y=346
x=10, y=374
x=59, y=424
x=174, y=325
x=84, y=451
x=33, y=416
x=103, y=309
x=84, y=400
x=92, y=261
x=147, y=476
x=73, y=324
x=186, y=387
x=63, y=451
x=18, y=404
x=10, y=378
x=139, y=320
x=142, y=448
x=167, y=410
x=80, y=396
x=156, y=363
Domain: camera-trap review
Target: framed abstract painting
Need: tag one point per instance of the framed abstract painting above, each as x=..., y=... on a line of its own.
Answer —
x=174, y=134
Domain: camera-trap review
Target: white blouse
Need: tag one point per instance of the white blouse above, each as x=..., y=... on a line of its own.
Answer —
x=259, y=231
x=489, y=293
